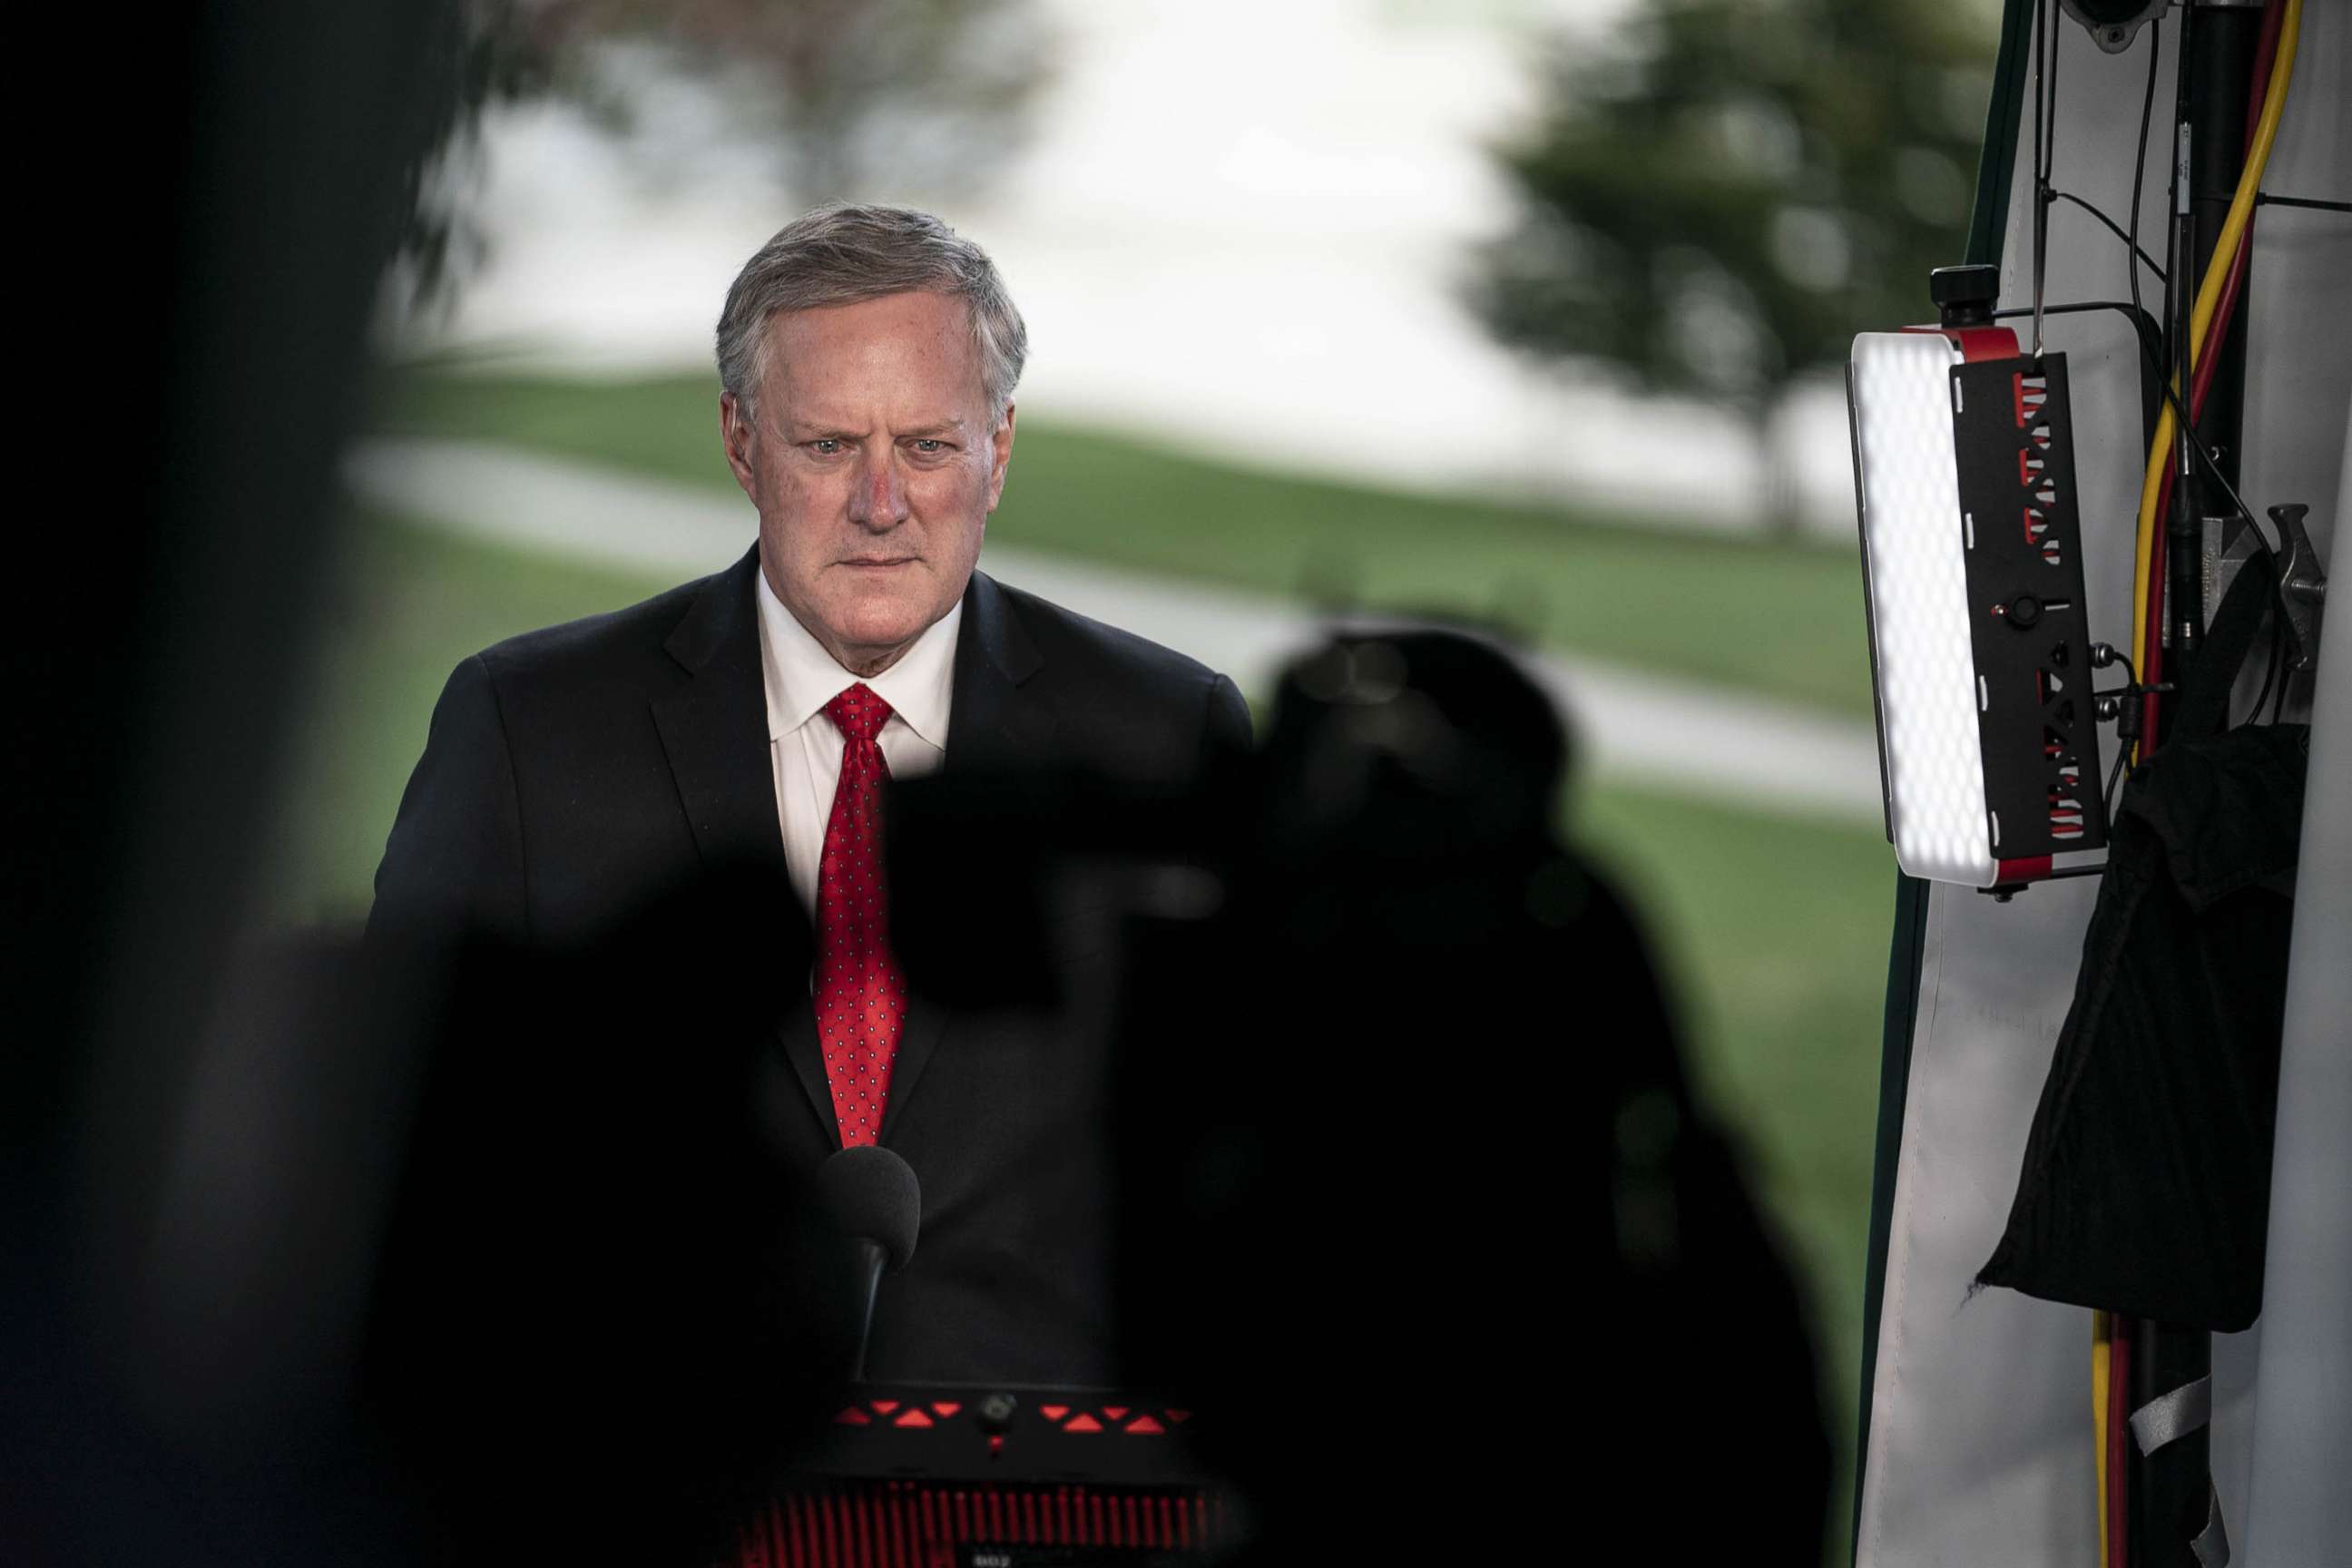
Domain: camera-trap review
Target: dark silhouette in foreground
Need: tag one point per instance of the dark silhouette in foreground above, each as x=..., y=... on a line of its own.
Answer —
x=1414, y=1202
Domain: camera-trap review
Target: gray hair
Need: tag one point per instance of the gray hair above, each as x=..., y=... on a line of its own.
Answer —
x=844, y=253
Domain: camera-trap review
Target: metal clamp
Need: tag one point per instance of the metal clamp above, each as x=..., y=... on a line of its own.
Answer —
x=2301, y=585
x=2113, y=24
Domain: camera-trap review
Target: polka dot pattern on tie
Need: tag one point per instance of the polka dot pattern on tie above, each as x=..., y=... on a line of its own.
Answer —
x=861, y=997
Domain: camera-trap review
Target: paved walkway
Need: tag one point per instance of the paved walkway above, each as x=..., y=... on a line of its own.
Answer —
x=1632, y=726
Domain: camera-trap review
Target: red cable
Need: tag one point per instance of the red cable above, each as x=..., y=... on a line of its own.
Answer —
x=2225, y=307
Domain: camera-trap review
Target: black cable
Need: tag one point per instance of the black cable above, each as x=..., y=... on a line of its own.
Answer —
x=2137, y=312
x=2101, y=655
x=2041, y=168
x=2043, y=198
x=2113, y=227
x=2049, y=163
x=2139, y=174
x=2270, y=670
x=2178, y=594
x=2213, y=467
x=2262, y=200
x=2143, y=325
x=2278, y=702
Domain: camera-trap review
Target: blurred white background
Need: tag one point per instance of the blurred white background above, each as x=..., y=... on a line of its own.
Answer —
x=1240, y=226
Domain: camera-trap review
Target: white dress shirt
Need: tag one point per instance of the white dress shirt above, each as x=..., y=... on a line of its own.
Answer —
x=804, y=747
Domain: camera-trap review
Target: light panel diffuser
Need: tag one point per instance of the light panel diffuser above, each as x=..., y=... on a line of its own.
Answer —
x=1914, y=540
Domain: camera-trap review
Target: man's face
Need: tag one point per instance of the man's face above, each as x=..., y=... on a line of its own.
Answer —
x=869, y=456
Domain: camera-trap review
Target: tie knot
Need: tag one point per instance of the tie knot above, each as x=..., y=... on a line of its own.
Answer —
x=859, y=713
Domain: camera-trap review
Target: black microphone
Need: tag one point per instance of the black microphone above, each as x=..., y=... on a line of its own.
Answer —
x=872, y=1197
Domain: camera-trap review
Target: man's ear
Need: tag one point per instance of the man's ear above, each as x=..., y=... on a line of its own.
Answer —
x=735, y=435
x=1000, y=458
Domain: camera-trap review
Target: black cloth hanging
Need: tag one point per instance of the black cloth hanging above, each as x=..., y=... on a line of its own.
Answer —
x=2145, y=1187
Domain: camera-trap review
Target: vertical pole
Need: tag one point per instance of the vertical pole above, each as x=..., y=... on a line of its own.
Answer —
x=2174, y=1481
x=2169, y=1489
x=2219, y=98
x=2183, y=606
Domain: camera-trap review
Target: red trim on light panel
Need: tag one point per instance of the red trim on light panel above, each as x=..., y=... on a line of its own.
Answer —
x=2032, y=868
x=1984, y=343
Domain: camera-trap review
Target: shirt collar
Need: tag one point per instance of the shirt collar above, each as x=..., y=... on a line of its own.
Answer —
x=801, y=678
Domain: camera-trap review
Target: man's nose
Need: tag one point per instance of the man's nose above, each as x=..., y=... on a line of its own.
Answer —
x=879, y=499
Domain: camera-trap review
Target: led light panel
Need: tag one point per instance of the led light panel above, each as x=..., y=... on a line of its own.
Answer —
x=1914, y=541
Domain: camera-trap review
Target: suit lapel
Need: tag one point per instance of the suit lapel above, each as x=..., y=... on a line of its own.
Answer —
x=992, y=727
x=714, y=728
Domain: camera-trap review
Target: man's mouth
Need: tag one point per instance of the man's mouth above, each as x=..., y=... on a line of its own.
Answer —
x=877, y=562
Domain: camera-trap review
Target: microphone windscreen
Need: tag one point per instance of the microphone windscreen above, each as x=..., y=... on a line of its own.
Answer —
x=872, y=1193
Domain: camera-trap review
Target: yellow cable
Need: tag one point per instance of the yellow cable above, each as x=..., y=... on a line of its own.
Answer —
x=2234, y=230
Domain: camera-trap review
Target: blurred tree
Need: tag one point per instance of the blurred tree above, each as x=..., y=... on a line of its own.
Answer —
x=865, y=99
x=870, y=99
x=493, y=51
x=1719, y=195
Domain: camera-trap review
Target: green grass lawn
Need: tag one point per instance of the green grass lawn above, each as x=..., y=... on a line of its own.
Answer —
x=1774, y=933
x=1773, y=617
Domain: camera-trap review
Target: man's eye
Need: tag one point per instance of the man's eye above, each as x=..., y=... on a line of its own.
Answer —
x=825, y=446
x=930, y=446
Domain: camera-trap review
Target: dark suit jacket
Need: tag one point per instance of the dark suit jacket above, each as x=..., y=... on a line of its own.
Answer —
x=573, y=774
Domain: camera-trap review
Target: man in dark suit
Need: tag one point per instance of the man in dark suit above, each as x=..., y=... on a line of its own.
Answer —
x=868, y=357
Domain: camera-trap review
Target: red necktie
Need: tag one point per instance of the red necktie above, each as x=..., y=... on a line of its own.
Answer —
x=861, y=997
